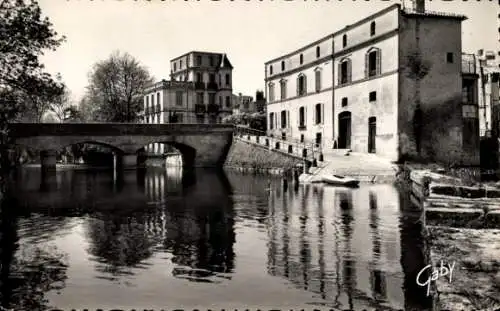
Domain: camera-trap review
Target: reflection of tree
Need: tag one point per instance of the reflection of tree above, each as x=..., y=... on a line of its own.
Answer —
x=27, y=276
x=119, y=242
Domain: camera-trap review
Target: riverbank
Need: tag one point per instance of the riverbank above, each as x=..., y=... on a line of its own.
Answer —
x=462, y=218
x=475, y=281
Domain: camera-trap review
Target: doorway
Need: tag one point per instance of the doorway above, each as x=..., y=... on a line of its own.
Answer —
x=344, y=141
x=372, y=134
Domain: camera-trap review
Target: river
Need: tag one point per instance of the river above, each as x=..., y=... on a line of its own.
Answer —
x=168, y=238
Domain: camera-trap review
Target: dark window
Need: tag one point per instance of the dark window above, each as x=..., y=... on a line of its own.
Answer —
x=199, y=98
x=302, y=116
x=301, y=59
x=180, y=64
x=318, y=80
x=271, y=120
x=178, y=98
x=175, y=66
x=228, y=102
x=228, y=82
x=301, y=138
x=372, y=64
x=283, y=119
x=318, y=138
x=199, y=77
x=198, y=60
x=372, y=29
x=301, y=85
x=211, y=98
x=318, y=52
x=373, y=96
x=318, y=114
x=211, y=60
x=449, y=58
x=271, y=69
x=344, y=72
x=283, y=90
x=212, y=78
x=344, y=102
x=282, y=65
x=344, y=41
x=271, y=92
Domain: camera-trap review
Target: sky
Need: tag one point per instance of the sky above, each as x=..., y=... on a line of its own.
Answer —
x=249, y=32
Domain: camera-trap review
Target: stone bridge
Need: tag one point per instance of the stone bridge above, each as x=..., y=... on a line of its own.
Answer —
x=201, y=145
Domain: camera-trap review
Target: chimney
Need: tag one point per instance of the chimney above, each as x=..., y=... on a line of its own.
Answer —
x=419, y=6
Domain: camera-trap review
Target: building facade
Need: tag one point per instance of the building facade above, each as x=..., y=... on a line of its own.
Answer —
x=379, y=86
x=243, y=104
x=199, y=91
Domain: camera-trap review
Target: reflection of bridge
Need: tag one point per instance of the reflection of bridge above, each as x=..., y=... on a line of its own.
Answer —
x=201, y=145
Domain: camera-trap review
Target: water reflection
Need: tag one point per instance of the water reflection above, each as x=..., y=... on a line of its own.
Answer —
x=346, y=248
x=344, y=245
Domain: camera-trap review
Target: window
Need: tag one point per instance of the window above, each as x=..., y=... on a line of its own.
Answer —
x=344, y=41
x=345, y=72
x=318, y=80
x=372, y=96
x=199, y=98
x=199, y=77
x=271, y=92
x=302, y=117
x=178, y=98
x=228, y=102
x=220, y=101
x=372, y=63
x=228, y=78
x=449, y=58
x=211, y=61
x=318, y=138
x=211, y=78
x=282, y=65
x=344, y=102
x=318, y=113
x=283, y=89
x=271, y=120
x=180, y=64
x=372, y=29
x=301, y=85
x=198, y=60
x=152, y=100
x=158, y=98
x=318, y=52
x=301, y=138
x=211, y=98
x=301, y=59
x=175, y=66
x=271, y=69
x=283, y=119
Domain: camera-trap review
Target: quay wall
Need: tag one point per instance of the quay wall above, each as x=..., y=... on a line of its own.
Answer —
x=248, y=157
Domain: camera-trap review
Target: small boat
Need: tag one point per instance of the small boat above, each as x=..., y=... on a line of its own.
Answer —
x=340, y=180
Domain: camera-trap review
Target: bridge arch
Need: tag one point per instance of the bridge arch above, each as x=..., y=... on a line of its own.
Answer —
x=187, y=152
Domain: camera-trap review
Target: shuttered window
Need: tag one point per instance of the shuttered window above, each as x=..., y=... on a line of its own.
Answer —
x=373, y=63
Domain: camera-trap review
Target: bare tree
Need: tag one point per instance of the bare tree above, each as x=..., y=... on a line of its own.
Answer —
x=116, y=86
x=61, y=104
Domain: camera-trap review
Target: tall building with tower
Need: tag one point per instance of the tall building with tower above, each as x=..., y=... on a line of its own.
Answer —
x=390, y=84
x=199, y=91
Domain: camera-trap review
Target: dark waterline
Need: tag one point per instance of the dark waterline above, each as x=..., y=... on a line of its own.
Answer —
x=171, y=238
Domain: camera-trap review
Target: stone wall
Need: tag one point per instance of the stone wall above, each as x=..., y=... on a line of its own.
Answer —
x=244, y=155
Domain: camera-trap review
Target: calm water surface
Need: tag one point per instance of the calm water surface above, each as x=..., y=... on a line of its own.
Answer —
x=171, y=238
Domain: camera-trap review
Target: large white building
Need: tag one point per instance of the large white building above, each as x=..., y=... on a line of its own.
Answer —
x=390, y=84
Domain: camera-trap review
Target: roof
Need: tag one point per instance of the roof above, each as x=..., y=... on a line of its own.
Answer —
x=414, y=13
x=224, y=62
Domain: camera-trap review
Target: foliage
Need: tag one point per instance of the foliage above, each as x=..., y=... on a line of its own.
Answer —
x=24, y=36
x=61, y=106
x=253, y=120
x=115, y=88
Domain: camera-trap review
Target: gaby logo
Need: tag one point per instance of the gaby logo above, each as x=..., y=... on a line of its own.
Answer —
x=442, y=271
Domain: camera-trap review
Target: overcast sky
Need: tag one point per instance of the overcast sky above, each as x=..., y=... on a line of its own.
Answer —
x=250, y=32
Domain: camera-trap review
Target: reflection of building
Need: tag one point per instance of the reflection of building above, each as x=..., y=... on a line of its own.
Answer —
x=339, y=243
x=393, y=91
x=199, y=92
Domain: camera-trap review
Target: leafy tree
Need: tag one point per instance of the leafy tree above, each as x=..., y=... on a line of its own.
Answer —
x=24, y=36
x=61, y=104
x=115, y=87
